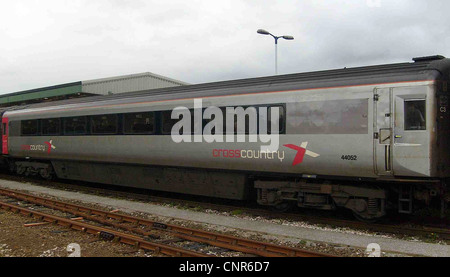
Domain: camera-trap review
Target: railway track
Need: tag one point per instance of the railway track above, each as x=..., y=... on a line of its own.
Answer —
x=142, y=229
x=407, y=229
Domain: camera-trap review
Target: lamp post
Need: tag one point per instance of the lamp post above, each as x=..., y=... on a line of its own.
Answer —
x=264, y=32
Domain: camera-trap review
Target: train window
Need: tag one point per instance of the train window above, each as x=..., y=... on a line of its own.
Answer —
x=250, y=116
x=328, y=117
x=228, y=129
x=75, y=125
x=139, y=123
x=281, y=119
x=167, y=122
x=30, y=127
x=197, y=129
x=253, y=119
x=51, y=126
x=251, y=122
x=415, y=115
x=219, y=120
x=104, y=124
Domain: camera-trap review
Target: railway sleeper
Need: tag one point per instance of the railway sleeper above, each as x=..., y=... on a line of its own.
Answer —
x=366, y=203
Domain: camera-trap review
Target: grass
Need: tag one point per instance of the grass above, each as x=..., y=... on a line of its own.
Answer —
x=237, y=212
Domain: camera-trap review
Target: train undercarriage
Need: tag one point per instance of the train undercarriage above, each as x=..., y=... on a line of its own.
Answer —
x=367, y=201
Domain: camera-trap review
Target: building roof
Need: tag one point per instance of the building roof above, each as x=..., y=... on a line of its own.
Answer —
x=103, y=86
x=41, y=93
x=132, y=76
x=129, y=83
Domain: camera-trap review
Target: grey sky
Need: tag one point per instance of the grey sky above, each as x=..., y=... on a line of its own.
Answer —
x=50, y=42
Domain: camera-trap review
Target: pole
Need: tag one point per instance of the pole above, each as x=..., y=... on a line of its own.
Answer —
x=264, y=32
x=276, y=56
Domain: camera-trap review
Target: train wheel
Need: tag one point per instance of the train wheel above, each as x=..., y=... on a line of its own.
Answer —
x=284, y=206
x=365, y=219
x=46, y=174
x=20, y=170
x=11, y=167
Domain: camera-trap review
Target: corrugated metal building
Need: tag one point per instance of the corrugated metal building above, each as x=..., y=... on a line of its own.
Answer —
x=129, y=83
x=105, y=86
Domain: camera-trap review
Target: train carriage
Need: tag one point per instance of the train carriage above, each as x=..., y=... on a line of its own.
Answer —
x=358, y=138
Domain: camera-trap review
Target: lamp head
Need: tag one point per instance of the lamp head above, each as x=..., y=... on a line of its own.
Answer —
x=263, y=32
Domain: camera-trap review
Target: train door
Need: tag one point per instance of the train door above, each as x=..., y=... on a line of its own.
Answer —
x=383, y=128
x=5, y=133
x=411, y=155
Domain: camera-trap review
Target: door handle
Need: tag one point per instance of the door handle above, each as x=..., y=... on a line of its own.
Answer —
x=397, y=136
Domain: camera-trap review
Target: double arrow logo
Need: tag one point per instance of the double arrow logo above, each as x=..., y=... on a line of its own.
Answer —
x=301, y=152
x=50, y=146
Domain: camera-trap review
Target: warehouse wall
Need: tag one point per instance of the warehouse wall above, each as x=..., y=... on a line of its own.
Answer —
x=128, y=83
x=114, y=85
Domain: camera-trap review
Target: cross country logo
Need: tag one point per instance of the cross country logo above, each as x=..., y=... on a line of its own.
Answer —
x=47, y=146
x=301, y=152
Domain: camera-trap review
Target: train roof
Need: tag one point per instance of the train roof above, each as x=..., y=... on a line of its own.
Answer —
x=423, y=68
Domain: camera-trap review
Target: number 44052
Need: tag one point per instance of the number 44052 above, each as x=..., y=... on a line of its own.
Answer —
x=349, y=157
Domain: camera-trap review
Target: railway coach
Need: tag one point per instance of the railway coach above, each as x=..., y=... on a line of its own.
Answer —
x=366, y=139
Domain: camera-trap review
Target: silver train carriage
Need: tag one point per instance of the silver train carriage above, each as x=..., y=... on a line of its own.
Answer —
x=358, y=138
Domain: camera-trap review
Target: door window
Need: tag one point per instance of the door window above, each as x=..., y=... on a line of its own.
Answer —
x=415, y=115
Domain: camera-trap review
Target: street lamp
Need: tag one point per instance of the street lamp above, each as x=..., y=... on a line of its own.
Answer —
x=264, y=32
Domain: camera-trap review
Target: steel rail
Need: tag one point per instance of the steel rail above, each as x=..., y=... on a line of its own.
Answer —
x=424, y=231
x=220, y=240
x=96, y=230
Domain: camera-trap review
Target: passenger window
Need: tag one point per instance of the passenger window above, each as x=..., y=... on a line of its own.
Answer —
x=196, y=129
x=168, y=122
x=51, y=126
x=104, y=124
x=139, y=123
x=254, y=115
x=250, y=116
x=29, y=127
x=251, y=121
x=415, y=115
x=75, y=126
x=332, y=117
x=221, y=125
x=281, y=119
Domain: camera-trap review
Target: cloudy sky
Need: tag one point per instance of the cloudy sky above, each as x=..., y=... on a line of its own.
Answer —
x=50, y=42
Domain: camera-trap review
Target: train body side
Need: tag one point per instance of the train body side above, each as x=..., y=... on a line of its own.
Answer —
x=345, y=144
